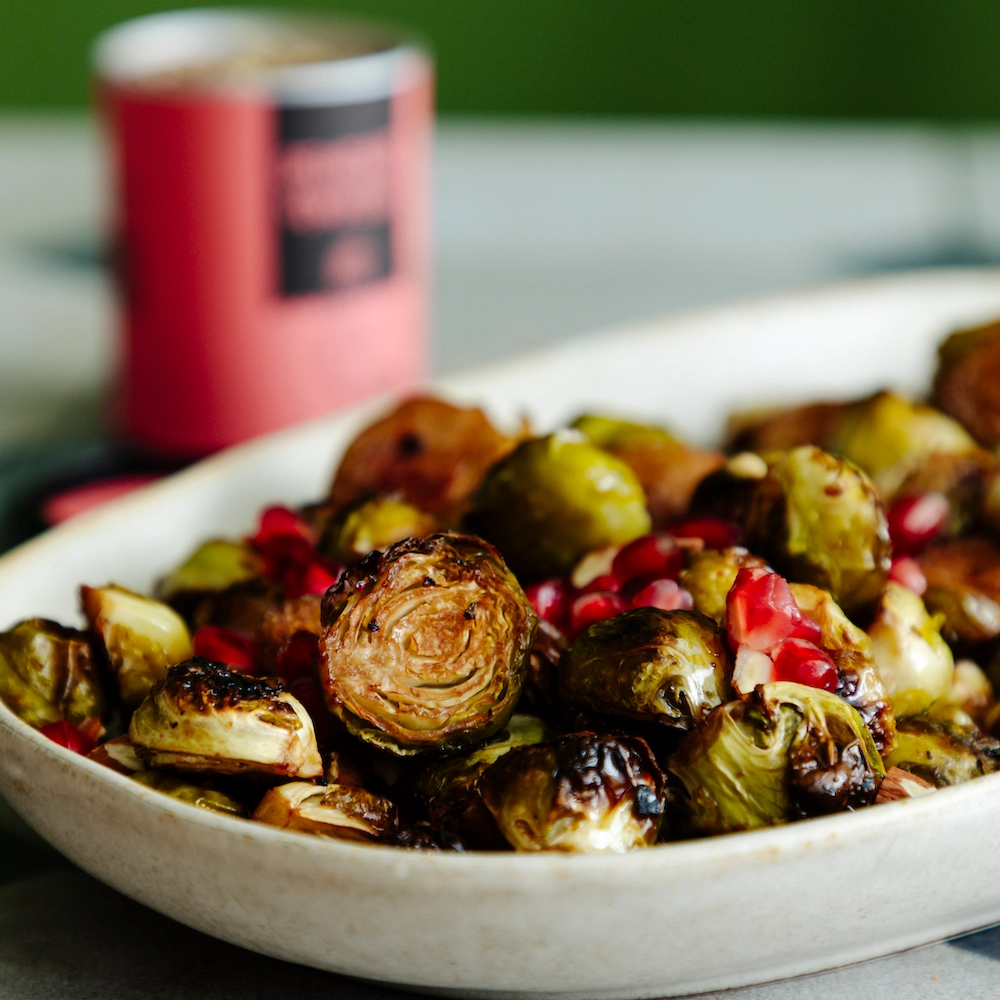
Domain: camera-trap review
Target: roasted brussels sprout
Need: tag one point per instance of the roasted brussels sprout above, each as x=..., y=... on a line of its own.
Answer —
x=373, y=526
x=422, y=836
x=791, y=752
x=425, y=646
x=912, y=659
x=667, y=667
x=853, y=655
x=963, y=584
x=193, y=795
x=967, y=381
x=213, y=566
x=581, y=793
x=340, y=811
x=205, y=717
x=971, y=690
x=553, y=499
x=943, y=754
x=449, y=787
x=47, y=674
x=667, y=469
x=710, y=574
x=142, y=637
x=817, y=519
x=432, y=453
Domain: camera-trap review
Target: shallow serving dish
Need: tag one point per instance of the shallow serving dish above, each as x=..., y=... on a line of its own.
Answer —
x=675, y=919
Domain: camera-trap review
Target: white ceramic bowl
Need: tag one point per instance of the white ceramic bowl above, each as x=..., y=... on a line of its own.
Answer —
x=675, y=919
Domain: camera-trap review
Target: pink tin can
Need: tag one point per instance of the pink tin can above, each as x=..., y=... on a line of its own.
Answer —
x=271, y=219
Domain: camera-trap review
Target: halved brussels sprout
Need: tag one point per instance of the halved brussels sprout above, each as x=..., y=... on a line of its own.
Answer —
x=340, y=811
x=373, y=526
x=943, y=754
x=709, y=575
x=963, y=584
x=47, y=674
x=791, y=751
x=193, y=795
x=432, y=453
x=971, y=690
x=666, y=667
x=450, y=786
x=853, y=655
x=425, y=646
x=580, y=793
x=553, y=499
x=205, y=717
x=817, y=519
x=967, y=381
x=912, y=659
x=142, y=637
x=667, y=469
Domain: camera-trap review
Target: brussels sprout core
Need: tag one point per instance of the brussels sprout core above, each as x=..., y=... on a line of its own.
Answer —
x=204, y=717
x=668, y=667
x=425, y=646
x=340, y=811
x=581, y=793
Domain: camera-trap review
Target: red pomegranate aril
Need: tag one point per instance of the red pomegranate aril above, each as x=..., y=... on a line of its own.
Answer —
x=590, y=608
x=760, y=610
x=715, y=532
x=314, y=577
x=915, y=521
x=906, y=571
x=607, y=584
x=298, y=657
x=653, y=556
x=224, y=646
x=809, y=630
x=801, y=662
x=280, y=523
x=67, y=735
x=551, y=600
x=665, y=595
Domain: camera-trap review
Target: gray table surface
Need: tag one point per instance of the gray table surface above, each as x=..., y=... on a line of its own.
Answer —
x=543, y=230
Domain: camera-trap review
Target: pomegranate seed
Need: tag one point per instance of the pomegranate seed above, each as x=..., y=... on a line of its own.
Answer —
x=590, y=608
x=92, y=729
x=715, y=532
x=607, y=584
x=803, y=663
x=907, y=572
x=67, y=735
x=314, y=577
x=550, y=599
x=760, y=609
x=223, y=646
x=752, y=668
x=915, y=521
x=665, y=595
x=298, y=657
x=284, y=540
x=809, y=630
x=654, y=556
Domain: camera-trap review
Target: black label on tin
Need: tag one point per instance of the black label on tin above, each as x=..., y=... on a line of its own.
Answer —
x=333, y=197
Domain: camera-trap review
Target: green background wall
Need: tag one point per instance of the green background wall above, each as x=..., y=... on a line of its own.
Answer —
x=936, y=59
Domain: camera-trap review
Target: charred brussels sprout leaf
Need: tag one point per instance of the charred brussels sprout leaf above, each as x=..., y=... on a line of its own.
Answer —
x=710, y=574
x=580, y=793
x=373, y=526
x=792, y=751
x=853, y=655
x=912, y=659
x=963, y=585
x=554, y=499
x=204, y=717
x=667, y=469
x=967, y=382
x=667, y=667
x=432, y=453
x=47, y=674
x=142, y=637
x=425, y=646
x=193, y=795
x=340, y=811
x=817, y=519
x=943, y=754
